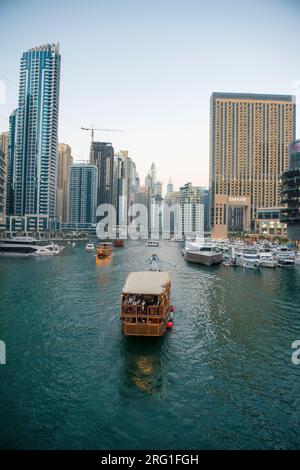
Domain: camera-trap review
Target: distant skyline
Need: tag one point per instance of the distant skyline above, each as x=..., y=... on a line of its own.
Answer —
x=149, y=69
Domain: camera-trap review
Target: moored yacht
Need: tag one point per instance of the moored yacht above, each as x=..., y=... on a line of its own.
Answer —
x=202, y=251
x=28, y=246
x=267, y=260
x=250, y=259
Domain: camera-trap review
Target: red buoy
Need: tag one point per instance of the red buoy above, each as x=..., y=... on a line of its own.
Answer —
x=170, y=324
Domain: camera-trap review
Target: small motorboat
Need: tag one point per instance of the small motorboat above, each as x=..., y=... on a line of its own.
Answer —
x=152, y=243
x=89, y=246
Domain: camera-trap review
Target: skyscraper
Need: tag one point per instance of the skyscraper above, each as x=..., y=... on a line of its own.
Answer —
x=290, y=193
x=124, y=185
x=64, y=160
x=3, y=176
x=102, y=155
x=249, y=137
x=170, y=187
x=192, y=209
x=36, y=146
x=82, y=193
x=2, y=190
x=10, y=182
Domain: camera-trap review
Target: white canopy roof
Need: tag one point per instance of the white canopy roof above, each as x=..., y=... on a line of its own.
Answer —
x=146, y=282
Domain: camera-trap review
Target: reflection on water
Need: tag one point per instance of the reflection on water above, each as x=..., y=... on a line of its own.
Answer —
x=143, y=364
x=106, y=261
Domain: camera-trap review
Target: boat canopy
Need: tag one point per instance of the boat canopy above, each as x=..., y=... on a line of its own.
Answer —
x=146, y=282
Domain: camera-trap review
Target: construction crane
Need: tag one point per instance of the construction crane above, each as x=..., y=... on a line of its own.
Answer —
x=93, y=129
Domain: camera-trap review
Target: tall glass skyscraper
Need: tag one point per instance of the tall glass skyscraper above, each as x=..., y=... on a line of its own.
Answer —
x=36, y=144
x=82, y=193
x=10, y=185
x=102, y=155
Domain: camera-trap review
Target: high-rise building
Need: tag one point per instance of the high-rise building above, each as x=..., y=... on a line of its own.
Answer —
x=82, y=194
x=192, y=209
x=290, y=193
x=64, y=160
x=102, y=155
x=2, y=190
x=10, y=182
x=170, y=187
x=36, y=145
x=4, y=136
x=249, y=137
x=124, y=185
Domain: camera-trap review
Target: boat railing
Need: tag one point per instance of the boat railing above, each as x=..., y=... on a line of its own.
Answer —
x=151, y=310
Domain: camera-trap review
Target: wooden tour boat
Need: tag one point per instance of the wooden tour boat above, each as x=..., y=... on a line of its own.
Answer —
x=103, y=249
x=145, y=304
x=118, y=243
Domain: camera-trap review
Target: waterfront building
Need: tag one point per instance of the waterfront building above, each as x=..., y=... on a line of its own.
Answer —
x=2, y=190
x=268, y=224
x=249, y=137
x=4, y=136
x=192, y=210
x=290, y=193
x=10, y=180
x=36, y=144
x=82, y=194
x=64, y=160
x=102, y=155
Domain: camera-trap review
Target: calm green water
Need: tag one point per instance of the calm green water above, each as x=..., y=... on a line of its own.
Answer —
x=222, y=379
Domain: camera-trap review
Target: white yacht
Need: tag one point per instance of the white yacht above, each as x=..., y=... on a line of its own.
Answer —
x=267, y=260
x=202, y=251
x=89, y=246
x=250, y=259
x=285, y=256
x=28, y=246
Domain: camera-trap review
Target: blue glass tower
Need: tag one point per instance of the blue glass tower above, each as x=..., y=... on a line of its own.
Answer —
x=36, y=144
x=10, y=179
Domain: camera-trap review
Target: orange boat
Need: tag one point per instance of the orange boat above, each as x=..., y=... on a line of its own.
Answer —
x=103, y=250
x=119, y=243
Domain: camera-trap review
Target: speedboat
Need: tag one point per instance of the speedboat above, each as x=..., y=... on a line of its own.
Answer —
x=202, y=251
x=89, y=246
x=28, y=246
x=267, y=260
x=152, y=243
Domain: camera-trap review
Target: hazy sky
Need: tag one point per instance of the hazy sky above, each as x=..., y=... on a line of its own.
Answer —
x=149, y=68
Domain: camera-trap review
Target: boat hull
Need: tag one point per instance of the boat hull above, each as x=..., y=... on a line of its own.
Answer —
x=206, y=259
